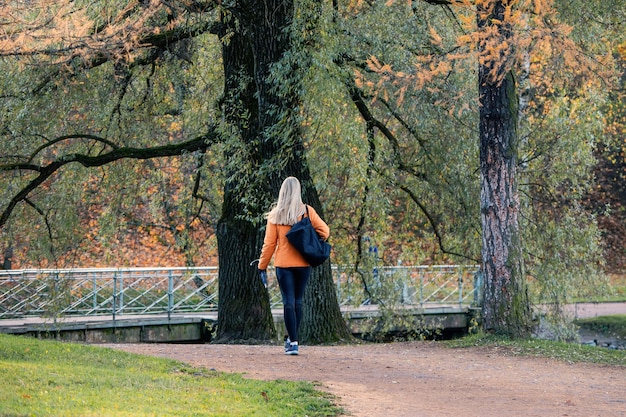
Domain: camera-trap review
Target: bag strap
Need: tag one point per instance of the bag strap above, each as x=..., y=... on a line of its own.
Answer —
x=306, y=211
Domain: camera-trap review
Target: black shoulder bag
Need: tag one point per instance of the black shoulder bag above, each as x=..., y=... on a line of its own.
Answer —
x=311, y=246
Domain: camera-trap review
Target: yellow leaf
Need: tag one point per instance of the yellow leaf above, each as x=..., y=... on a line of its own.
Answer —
x=434, y=37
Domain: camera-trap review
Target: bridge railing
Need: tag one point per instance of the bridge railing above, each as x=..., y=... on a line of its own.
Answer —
x=87, y=292
x=125, y=291
x=409, y=285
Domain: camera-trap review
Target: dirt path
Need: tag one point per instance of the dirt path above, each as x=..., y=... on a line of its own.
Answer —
x=422, y=378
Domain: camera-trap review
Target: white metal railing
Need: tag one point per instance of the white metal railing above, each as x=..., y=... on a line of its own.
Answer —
x=409, y=285
x=118, y=291
x=107, y=291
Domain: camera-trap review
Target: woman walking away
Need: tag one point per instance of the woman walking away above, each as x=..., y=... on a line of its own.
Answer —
x=292, y=270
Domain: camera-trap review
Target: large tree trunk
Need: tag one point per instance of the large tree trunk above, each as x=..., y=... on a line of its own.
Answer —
x=244, y=311
x=272, y=134
x=505, y=304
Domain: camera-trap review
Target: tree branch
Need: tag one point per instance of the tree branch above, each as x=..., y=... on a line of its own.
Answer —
x=367, y=115
x=104, y=40
x=68, y=137
x=201, y=143
x=45, y=218
x=96, y=49
x=438, y=2
x=433, y=225
x=359, y=102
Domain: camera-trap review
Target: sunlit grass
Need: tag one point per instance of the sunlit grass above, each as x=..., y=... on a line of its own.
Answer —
x=48, y=378
x=567, y=352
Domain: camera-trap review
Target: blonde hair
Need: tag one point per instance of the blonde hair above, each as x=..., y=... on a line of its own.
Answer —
x=289, y=207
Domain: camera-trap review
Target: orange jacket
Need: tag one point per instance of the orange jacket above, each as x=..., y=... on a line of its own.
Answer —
x=276, y=242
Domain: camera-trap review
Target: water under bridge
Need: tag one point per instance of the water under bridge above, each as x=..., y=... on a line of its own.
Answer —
x=180, y=304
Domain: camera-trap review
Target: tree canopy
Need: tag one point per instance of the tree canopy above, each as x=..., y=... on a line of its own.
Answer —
x=131, y=125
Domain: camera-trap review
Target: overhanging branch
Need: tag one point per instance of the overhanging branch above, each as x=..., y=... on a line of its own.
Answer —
x=200, y=143
x=363, y=108
x=433, y=224
x=366, y=114
x=69, y=137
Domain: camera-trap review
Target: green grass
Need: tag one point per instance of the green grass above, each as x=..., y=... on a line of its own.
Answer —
x=610, y=325
x=567, y=352
x=49, y=378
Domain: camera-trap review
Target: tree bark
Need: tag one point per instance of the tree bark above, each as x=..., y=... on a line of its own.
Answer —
x=244, y=311
x=272, y=134
x=506, y=307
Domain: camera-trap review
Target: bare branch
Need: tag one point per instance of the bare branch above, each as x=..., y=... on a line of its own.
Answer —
x=434, y=225
x=201, y=143
x=362, y=107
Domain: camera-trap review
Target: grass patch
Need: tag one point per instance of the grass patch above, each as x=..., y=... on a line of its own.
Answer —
x=50, y=378
x=609, y=325
x=566, y=352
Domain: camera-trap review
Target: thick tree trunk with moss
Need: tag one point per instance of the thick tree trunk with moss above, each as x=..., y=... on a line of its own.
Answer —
x=264, y=111
x=505, y=303
x=244, y=311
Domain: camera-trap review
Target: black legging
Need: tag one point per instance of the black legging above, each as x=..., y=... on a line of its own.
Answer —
x=292, y=282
